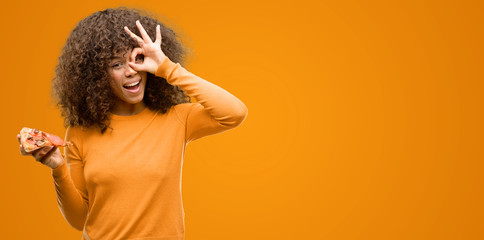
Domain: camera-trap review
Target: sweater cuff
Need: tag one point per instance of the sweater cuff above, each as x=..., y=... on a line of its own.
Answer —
x=60, y=172
x=165, y=69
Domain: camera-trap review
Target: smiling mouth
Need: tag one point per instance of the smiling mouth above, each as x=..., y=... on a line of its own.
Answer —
x=132, y=86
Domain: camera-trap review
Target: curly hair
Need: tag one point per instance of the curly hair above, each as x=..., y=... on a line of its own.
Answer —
x=81, y=86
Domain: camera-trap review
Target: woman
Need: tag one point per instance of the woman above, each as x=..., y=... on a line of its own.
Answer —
x=127, y=109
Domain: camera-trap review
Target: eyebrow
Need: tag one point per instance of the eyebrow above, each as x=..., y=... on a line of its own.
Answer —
x=116, y=57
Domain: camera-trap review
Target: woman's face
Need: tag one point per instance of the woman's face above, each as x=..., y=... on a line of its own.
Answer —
x=127, y=84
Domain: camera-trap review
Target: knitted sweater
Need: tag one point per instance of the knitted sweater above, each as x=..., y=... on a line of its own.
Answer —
x=126, y=183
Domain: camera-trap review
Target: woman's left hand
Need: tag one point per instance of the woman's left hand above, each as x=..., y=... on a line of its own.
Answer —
x=153, y=56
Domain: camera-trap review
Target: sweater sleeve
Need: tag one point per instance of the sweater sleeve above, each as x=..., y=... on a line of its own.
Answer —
x=70, y=185
x=215, y=111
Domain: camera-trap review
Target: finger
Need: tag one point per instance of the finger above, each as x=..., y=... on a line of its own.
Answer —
x=158, y=35
x=47, y=155
x=134, y=36
x=35, y=151
x=134, y=53
x=41, y=152
x=145, y=35
x=137, y=67
x=18, y=138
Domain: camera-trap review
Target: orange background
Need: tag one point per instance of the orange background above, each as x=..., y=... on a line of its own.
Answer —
x=365, y=118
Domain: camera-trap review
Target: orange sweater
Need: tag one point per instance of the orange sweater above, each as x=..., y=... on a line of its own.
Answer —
x=126, y=183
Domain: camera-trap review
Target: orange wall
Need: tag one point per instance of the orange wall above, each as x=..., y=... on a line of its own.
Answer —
x=365, y=118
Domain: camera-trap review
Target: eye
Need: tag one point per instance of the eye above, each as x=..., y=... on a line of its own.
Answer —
x=116, y=65
x=139, y=58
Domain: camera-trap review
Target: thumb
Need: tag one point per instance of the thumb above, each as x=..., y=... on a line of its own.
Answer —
x=47, y=155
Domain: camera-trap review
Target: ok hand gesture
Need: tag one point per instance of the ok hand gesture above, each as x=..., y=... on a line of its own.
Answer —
x=153, y=56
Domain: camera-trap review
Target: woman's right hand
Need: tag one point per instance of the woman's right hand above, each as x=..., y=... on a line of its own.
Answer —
x=48, y=155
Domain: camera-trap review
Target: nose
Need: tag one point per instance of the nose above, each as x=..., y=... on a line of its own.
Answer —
x=129, y=71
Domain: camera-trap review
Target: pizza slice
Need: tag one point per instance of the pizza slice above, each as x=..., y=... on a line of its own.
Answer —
x=33, y=139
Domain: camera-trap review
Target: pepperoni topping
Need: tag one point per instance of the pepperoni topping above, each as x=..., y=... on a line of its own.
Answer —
x=55, y=140
x=35, y=133
x=31, y=141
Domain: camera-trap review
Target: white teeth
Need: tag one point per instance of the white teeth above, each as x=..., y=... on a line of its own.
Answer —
x=132, y=84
